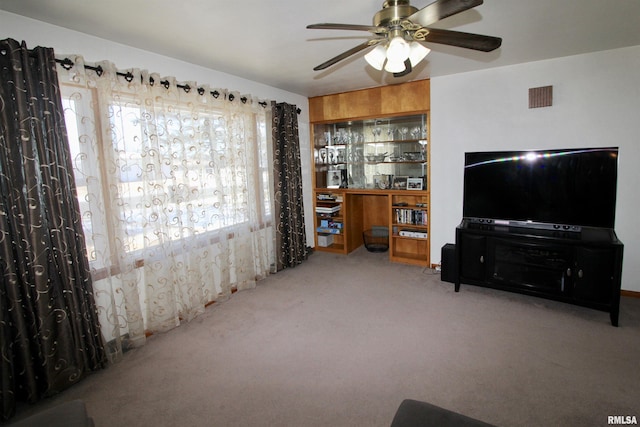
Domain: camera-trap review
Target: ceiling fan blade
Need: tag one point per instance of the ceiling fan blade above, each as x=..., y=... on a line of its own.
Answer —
x=441, y=9
x=460, y=39
x=328, y=26
x=343, y=55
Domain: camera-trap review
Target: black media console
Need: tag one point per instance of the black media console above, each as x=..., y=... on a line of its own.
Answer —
x=582, y=268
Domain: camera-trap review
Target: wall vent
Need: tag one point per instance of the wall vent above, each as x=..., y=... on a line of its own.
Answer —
x=540, y=96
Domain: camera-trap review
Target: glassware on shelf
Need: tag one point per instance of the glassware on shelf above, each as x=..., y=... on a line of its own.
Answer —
x=376, y=132
x=370, y=149
x=416, y=132
x=390, y=132
x=323, y=155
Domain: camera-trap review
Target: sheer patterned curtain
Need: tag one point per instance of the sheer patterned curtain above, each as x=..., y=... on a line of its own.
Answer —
x=173, y=182
x=49, y=332
x=291, y=243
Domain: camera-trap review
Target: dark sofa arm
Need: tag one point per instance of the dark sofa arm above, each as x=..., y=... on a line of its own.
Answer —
x=413, y=413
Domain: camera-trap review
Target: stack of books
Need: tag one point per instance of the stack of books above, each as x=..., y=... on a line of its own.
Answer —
x=411, y=216
x=329, y=227
x=327, y=210
x=323, y=196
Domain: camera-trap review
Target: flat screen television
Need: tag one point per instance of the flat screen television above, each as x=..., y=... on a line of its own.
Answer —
x=556, y=189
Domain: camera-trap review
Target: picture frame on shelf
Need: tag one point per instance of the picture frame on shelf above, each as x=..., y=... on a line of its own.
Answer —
x=414, y=183
x=337, y=178
x=382, y=182
x=399, y=183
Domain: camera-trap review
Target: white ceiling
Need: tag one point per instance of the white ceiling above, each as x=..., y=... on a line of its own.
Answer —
x=267, y=41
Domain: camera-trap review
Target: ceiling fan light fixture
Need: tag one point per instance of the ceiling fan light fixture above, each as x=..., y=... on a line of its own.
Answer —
x=417, y=53
x=400, y=24
x=398, y=50
x=377, y=56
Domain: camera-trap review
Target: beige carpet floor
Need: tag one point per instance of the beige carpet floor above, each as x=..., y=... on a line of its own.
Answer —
x=342, y=340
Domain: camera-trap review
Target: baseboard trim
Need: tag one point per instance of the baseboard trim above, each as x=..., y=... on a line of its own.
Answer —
x=632, y=294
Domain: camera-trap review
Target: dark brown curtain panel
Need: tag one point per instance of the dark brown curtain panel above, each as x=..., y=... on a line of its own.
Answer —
x=291, y=243
x=49, y=331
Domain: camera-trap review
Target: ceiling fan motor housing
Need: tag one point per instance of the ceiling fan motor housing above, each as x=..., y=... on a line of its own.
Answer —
x=393, y=11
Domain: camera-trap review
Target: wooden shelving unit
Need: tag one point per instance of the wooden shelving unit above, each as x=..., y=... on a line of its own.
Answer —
x=347, y=129
x=329, y=221
x=409, y=228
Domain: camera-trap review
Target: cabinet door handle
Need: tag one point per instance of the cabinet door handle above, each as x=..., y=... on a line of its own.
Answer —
x=580, y=274
x=481, y=259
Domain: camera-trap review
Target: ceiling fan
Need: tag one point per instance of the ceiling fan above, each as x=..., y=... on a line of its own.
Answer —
x=399, y=30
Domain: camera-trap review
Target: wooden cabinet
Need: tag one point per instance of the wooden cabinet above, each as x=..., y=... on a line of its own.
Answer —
x=594, y=273
x=474, y=256
x=409, y=227
x=582, y=268
x=402, y=99
x=371, y=156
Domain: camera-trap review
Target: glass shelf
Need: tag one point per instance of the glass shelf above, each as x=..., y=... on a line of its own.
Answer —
x=382, y=153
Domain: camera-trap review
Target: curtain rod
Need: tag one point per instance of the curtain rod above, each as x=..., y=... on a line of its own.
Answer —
x=67, y=64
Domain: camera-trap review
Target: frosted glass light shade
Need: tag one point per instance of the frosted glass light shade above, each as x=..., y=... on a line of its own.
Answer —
x=417, y=53
x=395, y=66
x=377, y=56
x=398, y=50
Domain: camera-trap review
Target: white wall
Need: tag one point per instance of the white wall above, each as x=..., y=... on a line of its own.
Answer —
x=596, y=102
x=93, y=49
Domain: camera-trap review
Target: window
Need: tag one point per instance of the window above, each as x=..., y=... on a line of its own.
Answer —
x=161, y=173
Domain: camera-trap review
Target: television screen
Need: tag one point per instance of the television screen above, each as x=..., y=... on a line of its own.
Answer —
x=574, y=187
